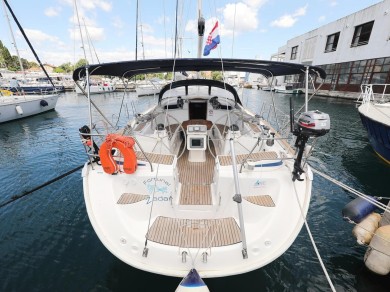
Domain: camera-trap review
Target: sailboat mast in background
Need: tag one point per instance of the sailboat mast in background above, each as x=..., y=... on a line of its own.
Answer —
x=13, y=40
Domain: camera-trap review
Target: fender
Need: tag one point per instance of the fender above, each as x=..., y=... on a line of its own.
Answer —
x=125, y=146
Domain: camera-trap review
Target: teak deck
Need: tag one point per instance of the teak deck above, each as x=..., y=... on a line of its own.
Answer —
x=194, y=233
x=225, y=160
x=196, y=179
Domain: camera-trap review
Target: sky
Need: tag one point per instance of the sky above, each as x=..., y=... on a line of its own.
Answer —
x=247, y=28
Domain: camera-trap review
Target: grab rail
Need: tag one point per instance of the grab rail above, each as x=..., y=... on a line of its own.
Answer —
x=368, y=93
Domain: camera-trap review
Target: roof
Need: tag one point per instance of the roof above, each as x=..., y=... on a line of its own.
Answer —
x=199, y=82
x=131, y=68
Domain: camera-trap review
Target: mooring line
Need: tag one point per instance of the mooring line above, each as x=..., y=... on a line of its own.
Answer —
x=17, y=197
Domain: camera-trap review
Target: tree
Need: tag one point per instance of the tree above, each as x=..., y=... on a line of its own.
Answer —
x=216, y=75
x=25, y=63
x=80, y=63
x=168, y=76
x=6, y=56
x=64, y=68
x=14, y=64
x=2, y=60
x=32, y=64
x=59, y=70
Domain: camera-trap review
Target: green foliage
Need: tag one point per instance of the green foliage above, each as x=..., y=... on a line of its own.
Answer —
x=2, y=60
x=216, y=75
x=64, y=68
x=14, y=64
x=6, y=56
x=80, y=63
x=59, y=70
x=25, y=63
x=32, y=64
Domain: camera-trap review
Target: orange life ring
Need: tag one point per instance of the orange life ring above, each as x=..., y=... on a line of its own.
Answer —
x=125, y=146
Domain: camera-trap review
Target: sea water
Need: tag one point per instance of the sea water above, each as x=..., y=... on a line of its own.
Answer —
x=47, y=242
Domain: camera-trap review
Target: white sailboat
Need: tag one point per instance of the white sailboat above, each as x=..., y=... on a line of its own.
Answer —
x=14, y=102
x=198, y=180
x=198, y=184
x=13, y=107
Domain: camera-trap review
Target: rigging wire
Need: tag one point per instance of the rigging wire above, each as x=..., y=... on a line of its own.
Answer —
x=26, y=193
x=313, y=242
x=88, y=40
x=165, y=30
x=234, y=26
x=353, y=191
x=81, y=33
x=90, y=43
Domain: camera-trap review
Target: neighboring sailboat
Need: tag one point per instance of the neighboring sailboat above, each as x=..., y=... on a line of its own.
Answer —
x=13, y=107
x=15, y=104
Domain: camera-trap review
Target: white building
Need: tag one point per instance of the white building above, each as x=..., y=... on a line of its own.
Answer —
x=353, y=50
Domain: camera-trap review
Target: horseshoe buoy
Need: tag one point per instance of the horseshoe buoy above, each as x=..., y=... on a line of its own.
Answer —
x=125, y=146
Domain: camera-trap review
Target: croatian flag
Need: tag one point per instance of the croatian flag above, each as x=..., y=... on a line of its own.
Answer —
x=212, y=40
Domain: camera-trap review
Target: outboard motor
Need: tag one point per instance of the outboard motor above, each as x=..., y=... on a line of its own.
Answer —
x=309, y=124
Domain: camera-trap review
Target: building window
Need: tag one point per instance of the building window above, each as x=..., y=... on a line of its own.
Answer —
x=343, y=79
x=331, y=42
x=362, y=34
x=379, y=78
x=294, y=51
x=356, y=79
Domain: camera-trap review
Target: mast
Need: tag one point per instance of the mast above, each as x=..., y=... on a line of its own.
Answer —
x=13, y=39
x=81, y=33
x=28, y=42
x=136, y=33
x=177, y=8
x=201, y=25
